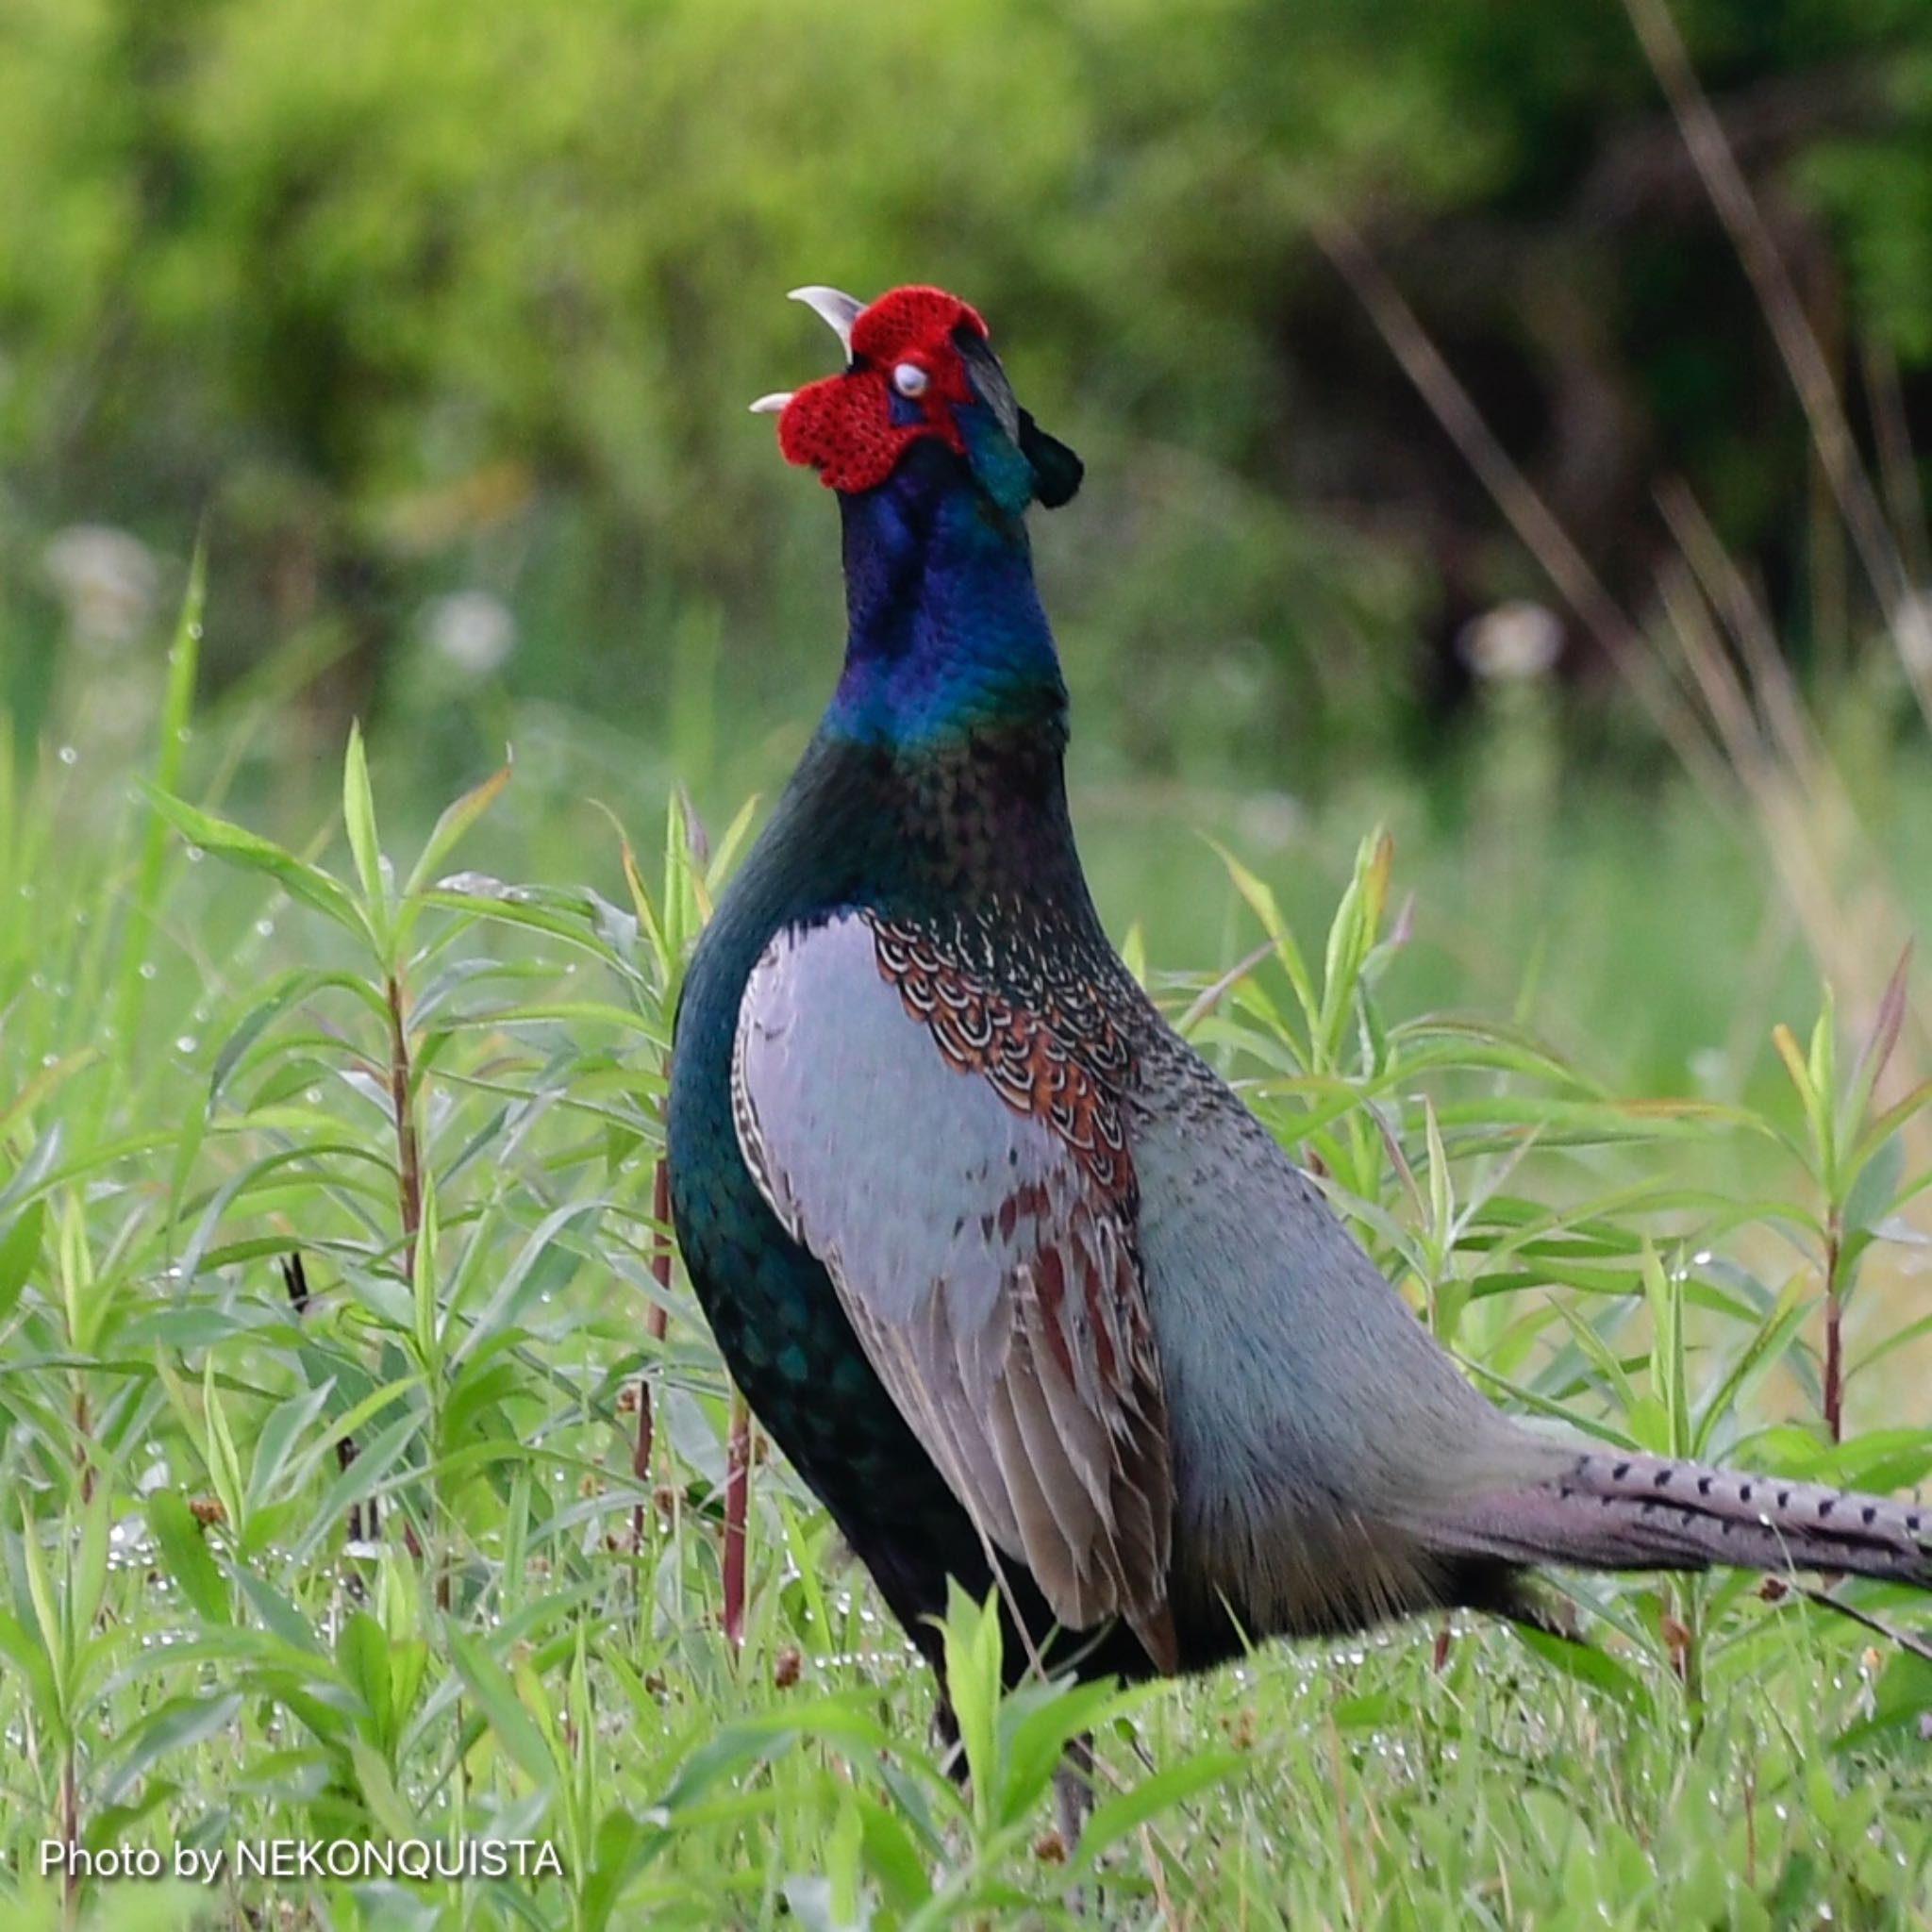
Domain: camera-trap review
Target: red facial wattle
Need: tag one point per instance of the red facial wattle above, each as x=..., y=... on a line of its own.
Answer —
x=844, y=426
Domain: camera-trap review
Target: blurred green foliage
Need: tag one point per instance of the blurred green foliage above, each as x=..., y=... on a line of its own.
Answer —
x=468, y=295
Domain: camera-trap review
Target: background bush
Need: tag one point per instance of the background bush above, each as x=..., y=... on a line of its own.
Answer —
x=427, y=297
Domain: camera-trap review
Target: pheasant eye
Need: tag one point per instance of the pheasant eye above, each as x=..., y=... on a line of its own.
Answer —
x=909, y=380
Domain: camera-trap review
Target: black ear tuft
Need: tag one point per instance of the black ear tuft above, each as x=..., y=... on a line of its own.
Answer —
x=1057, y=471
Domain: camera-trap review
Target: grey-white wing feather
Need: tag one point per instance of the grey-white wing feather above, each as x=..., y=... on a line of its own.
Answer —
x=990, y=1279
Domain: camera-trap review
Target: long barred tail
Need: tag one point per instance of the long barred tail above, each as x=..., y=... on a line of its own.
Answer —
x=1641, y=1512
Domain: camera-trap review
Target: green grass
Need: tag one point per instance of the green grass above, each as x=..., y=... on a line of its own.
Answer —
x=219, y=1629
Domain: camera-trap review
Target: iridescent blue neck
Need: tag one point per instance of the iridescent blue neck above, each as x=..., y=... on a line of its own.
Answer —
x=946, y=634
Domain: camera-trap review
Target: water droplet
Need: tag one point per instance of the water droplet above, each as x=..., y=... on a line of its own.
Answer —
x=194, y=630
x=265, y=927
x=27, y=892
x=186, y=1043
x=68, y=756
x=196, y=855
x=50, y=1060
x=148, y=968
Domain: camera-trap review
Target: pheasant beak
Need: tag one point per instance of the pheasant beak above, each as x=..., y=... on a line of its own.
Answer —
x=838, y=310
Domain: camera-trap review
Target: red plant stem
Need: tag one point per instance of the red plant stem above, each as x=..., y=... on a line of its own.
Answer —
x=408, y=1154
x=655, y=1323
x=409, y=1195
x=1833, y=1339
x=81, y=1426
x=69, y=1830
x=737, y=1501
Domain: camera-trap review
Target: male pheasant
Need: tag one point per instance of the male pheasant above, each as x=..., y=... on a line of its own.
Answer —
x=1024, y=1291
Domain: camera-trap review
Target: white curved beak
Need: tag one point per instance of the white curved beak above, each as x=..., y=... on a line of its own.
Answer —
x=772, y=404
x=838, y=309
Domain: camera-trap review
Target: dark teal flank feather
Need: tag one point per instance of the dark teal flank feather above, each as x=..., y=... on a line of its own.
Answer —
x=934, y=780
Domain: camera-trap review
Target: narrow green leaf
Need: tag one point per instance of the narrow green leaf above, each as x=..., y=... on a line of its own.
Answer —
x=1787, y=1045
x=1587, y=1665
x=47, y=1607
x=522, y=1278
x=1441, y=1185
x=185, y=1552
x=23, y=1649
x=891, y=1856
x=240, y=847
x=224, y=1464
x=1038, y=1721
x=88, y=1578
x=1890, y=1121
x=177, y=1725
x=970, y=1637
x=1112, y=1820
x=1760, y=1354
x=1600, y=1354
x=510, y=1723
x=1261, y=902
x=362, y=1653
x=278, y=1436
x=45, y=1083
x=456, y=821
x=725, y=853
x=19, y=1252
x=1663, y=1290
x=386, y=1804
x=358, y=821
x=282, y=1619
x=360, y=1479
x=289, y=988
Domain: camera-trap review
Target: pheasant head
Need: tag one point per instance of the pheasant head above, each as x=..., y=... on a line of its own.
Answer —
x=919, y=369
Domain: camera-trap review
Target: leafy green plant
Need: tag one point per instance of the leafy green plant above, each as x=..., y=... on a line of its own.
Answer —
x=336, y=1300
